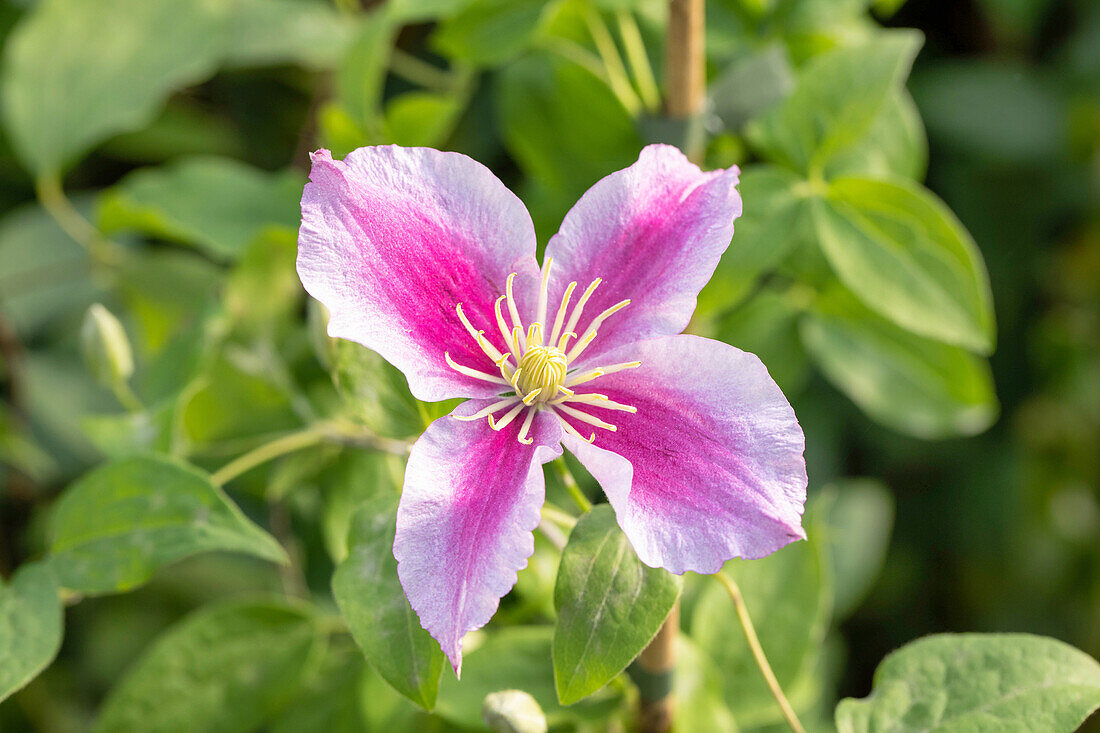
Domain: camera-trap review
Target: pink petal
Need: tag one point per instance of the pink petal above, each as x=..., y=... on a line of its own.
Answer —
x=392, y=239
x=654, y=232
x=710, y=467
x=471, y=500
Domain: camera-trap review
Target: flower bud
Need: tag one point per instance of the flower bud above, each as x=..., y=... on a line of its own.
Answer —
x=106, y=348
x=513, y=711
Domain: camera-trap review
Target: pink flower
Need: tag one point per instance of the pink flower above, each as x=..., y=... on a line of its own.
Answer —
x=426, y=258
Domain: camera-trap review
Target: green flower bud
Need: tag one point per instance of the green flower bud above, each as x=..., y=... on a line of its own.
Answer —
x=106, y=348
x=513, y=711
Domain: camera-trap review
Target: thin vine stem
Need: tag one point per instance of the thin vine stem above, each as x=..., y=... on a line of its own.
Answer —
x=311, y=436
x=571, y=485
x=758, y=651
x=419, y=72
x=52, y=196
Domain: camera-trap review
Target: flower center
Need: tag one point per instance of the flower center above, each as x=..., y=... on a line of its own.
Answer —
x=542, y=368
x=542, y=378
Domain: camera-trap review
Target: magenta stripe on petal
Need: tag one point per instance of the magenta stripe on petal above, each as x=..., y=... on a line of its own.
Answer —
x=711, y=465
x=392, y=239
x=654, y=232
x=471, y=500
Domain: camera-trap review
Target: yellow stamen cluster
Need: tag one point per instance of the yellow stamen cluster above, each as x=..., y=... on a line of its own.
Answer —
x=541, y=378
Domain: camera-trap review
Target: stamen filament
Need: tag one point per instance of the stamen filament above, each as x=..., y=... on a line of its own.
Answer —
x=585, y=417
x=526, y=427
x=479, y=336
x=471, y=372
x=580, y=304
x=572, y=430
x=488, y=411
x=600, y=400
x=565, y=339
x=504, y=330
x=532, y=395
x=513, y=311
x=544, y=293
x=560, y=319
x=509, y=417
x=600, y=372
x=596, y=322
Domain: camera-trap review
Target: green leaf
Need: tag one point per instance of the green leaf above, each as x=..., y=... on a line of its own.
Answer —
x=896, y=145
x=117, y=525
x=767, y=325
x=362, y=74
x=44, y=274
x=31, y=621
x=838, y=96
x=216, y=204
x=511, y=658
x=775, y=219
x=697, y=685
x=915, y=385
x=859, y=516
x=271, y=32
x=334, y=700
x=490, y=32
x=378, y=614
x=609, y=604
x=962, y=683
x=225, y=668
x=76, y=72
x=788, y=598
x=375, y=393
x=564, y=151
x=751, y=85
x=903, y=253
x=419, y=119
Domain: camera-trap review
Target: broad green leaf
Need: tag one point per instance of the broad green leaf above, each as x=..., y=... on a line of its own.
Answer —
x=490, y=32
x=242, y=394
x=788, y=597
x=333, y=702
x=418, y=11
x=767, y=325
x=263, y=290
x=270, y=32
x=903, y=253
x=912, y=384
x=751, y=85
x=30, y=626
x=223, y=669
x=775, y=219
x=697, y=685
x=896, y=145
x=78, y=71
x=835, y=102
x=375, y=393
x=362, y=73
x=356, y=477
x=216, y=204
x=419, y=119
x=118, y=524
x=609, y=605
x=511, y=658
x=561, y=149
x=859, y=516
x=969, y=683
x=44, y=274
x=378, y=614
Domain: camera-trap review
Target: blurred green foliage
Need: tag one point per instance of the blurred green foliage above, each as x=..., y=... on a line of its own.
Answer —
x=152, y=158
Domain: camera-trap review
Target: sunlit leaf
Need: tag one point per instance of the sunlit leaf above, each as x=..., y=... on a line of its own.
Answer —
x=30, y=626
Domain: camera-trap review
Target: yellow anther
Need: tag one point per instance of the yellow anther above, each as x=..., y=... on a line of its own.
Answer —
x=543, y=368
x=532, y=395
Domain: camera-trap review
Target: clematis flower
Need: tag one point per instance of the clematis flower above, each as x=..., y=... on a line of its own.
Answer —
x=429, y=260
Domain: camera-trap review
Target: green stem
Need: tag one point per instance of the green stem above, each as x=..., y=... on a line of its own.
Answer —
x=126, y=396
x=420, y=72
x=758, y=651
x=578, y=54
x=290, y=443
x=558, y=516
x=612, y=61
x=53, y=199
x=638, y=59
x=572, y=486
